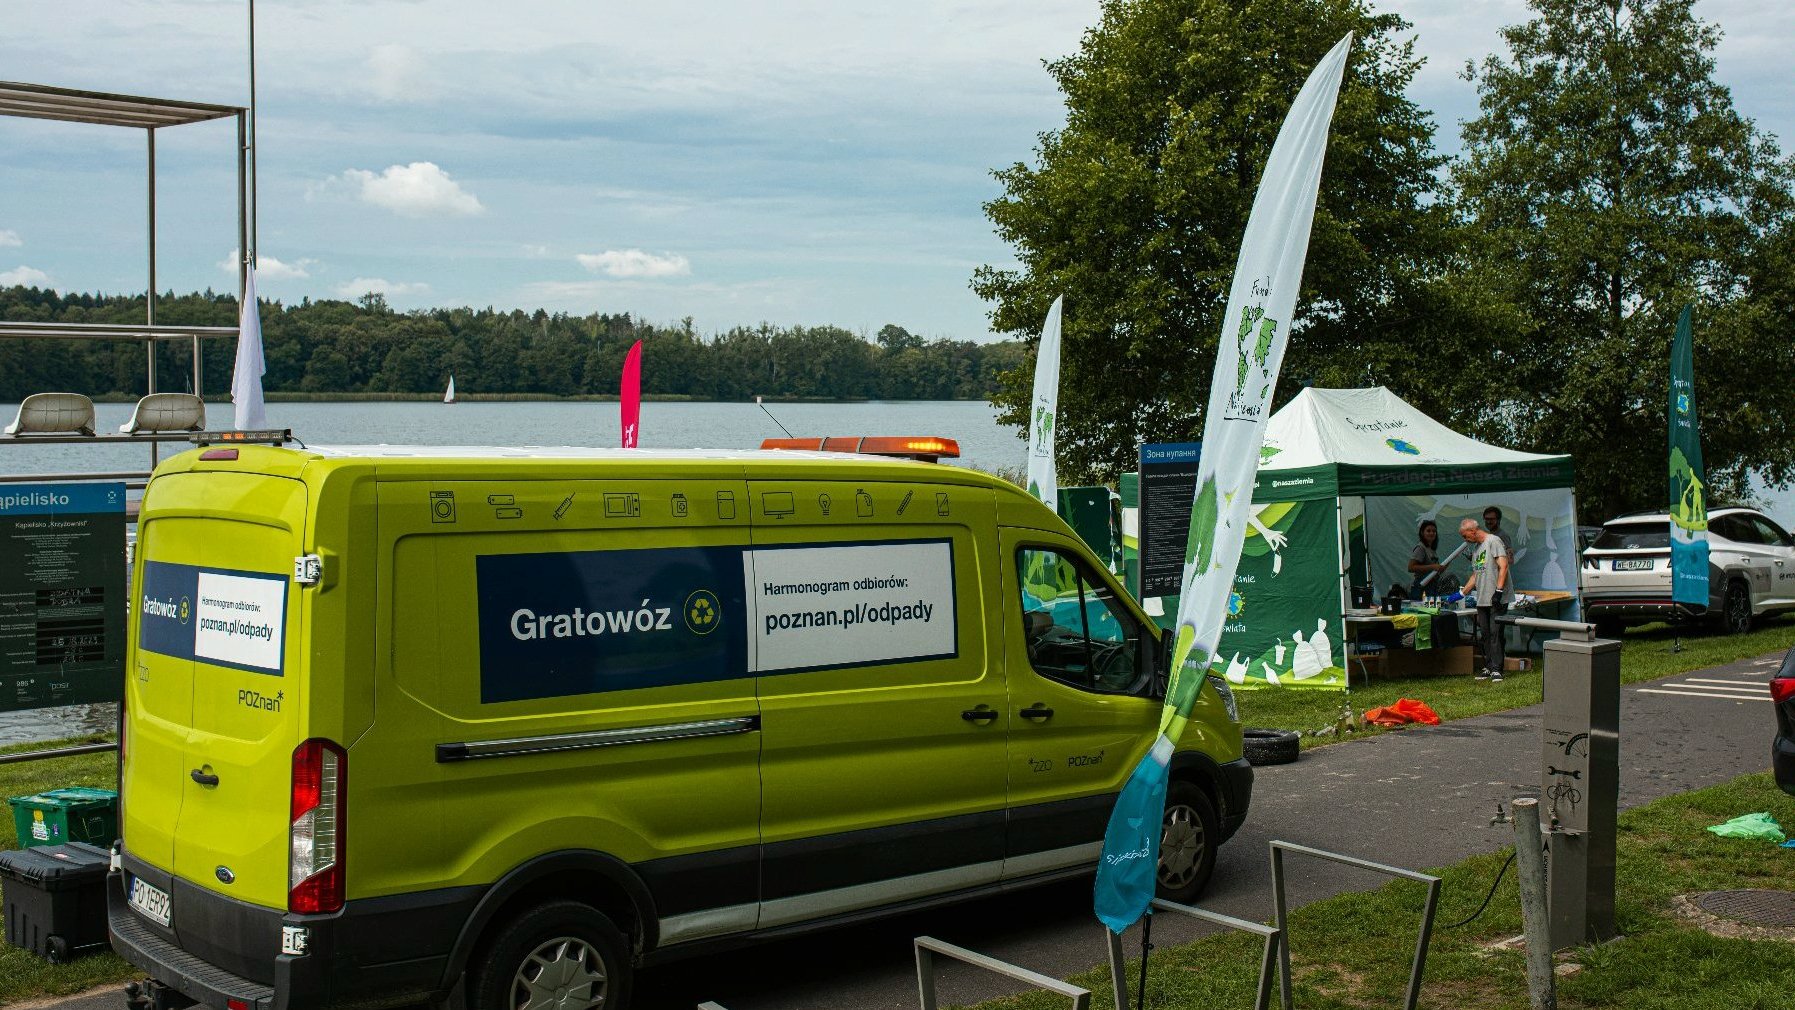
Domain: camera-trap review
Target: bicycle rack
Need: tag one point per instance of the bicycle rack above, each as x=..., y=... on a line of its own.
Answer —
x=1277, y=886
x=927, y=947
x=1274, y=942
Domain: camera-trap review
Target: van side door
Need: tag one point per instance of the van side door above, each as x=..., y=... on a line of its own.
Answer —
x=1080, y=665
x=560, y=670
x=875, y=642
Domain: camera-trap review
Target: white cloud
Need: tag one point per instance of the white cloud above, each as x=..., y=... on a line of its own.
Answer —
x=10, y=238
x=420, y=189
x=270, y=269
x=30, y=277
x=380, y=286
x=635, y=263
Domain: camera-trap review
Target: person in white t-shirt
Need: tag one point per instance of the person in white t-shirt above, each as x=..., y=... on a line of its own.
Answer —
x=1489, y=580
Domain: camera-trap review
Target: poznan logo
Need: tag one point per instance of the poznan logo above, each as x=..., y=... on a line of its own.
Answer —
x=703, y=612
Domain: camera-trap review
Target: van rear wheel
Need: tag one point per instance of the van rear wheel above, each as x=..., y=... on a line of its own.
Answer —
x=562, y=955
x=1190, y=837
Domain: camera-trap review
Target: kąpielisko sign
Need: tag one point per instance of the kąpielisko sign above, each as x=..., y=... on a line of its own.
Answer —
x=63, y=583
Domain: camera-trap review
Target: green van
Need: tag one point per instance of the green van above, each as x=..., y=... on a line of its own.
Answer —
x=493, y=727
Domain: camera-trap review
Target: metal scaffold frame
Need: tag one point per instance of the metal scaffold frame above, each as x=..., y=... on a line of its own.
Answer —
x=37, y=101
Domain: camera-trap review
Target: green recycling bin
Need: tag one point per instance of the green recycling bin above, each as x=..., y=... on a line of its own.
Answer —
x=60, y=816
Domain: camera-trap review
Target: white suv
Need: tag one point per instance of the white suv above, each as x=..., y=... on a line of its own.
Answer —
x=1626, y=571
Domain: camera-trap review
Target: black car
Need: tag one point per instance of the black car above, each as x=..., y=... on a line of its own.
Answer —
x=1782, y=696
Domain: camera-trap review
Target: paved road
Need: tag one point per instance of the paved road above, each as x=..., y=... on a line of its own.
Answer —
x=1419, y=798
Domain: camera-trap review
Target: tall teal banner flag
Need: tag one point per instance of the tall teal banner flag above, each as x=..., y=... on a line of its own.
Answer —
x=1688, y=503
x=1267, y=277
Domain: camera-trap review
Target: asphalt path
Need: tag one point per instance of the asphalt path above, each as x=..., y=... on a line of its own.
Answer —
x=1418, y=798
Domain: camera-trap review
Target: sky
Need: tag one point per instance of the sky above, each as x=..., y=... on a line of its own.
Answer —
x=786, y=161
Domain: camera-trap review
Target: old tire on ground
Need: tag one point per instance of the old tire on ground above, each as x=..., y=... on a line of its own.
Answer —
x=1188, y=843
x=560, y=954
x=1270, y=746
x=1736, y=610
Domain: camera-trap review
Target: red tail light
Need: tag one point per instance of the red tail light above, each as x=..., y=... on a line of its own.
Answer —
x=1782, y=689
x=317, y=837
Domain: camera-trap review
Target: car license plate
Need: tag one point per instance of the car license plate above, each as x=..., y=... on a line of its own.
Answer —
x=151, y=902
x=1633, y=564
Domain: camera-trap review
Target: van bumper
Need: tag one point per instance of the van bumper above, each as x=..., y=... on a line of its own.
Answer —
x=1236, y=786
x=374, y=952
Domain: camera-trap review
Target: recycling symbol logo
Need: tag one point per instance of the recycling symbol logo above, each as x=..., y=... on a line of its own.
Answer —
x=186, y=609
x=703, y=612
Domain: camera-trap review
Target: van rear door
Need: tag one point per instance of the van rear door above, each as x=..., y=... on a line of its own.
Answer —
x=221, y=611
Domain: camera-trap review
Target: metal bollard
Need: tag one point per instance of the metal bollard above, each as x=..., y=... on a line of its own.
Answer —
x=1530, y=864
x=1580, y=787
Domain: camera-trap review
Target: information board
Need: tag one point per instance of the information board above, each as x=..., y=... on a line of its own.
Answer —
x=63, y=584
x=1168, y=484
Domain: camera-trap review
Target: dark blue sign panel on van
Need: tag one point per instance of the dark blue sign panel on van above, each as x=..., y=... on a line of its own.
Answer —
x=62, y=594
x=214, y=615
x=560, y=624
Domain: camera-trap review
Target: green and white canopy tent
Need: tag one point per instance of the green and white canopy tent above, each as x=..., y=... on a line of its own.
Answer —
x=1345, y=478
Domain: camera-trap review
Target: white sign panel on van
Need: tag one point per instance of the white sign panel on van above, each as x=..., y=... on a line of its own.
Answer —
x=849, y=605
x=239, y=620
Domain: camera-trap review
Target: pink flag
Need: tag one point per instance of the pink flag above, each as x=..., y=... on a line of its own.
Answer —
x=632, y=395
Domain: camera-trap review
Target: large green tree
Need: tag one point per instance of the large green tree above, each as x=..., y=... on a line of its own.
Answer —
x=1134, y=211
x=1610, y=181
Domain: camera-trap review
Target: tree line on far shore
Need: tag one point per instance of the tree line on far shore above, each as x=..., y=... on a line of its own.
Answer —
x=366, y=347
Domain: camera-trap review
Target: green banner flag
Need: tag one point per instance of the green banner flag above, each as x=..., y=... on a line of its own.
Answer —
x=1688, y=504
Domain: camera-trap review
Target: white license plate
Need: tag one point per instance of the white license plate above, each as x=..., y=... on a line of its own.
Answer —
x=150, y=902
x=1633, y=564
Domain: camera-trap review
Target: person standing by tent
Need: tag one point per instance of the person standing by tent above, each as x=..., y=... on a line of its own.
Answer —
x=1489, y=565
x=1424, y=560
x=1492, y=521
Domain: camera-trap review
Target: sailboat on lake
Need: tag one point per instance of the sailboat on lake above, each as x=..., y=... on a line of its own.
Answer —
x=449, y=394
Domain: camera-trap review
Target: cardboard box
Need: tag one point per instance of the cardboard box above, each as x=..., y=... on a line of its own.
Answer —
x=1453, y=662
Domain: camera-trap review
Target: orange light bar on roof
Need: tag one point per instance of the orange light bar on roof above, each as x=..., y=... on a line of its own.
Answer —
x=924, y=447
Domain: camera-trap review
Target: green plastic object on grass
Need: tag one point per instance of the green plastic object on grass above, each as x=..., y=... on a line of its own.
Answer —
x=73, y=814
x=1759, y=825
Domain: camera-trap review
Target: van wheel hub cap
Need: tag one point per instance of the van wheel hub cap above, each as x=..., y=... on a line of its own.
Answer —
x=1180, y=846
x=565, y=973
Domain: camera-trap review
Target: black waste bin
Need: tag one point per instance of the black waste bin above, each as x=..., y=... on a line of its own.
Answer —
x=55, y=899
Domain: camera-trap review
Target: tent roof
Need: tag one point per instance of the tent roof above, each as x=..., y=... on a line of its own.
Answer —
x=1371, y=441
x=1370, y=427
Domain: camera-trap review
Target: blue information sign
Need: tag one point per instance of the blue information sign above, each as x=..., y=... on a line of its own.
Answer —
x=1168, y=484
x=63, y=588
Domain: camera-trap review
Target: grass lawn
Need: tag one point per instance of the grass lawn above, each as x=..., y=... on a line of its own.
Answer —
x=1645, y=655
x=24, y=976
x=1353, y=951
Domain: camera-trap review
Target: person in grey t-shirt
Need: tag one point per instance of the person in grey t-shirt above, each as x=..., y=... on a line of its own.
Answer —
x=1492, y=521
x=1489, y=579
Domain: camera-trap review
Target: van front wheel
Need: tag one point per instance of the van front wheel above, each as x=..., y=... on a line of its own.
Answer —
x=557, y=956
x=1190, y=836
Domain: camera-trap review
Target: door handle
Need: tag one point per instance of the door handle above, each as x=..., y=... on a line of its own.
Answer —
x=1037, y=712
x=203, y=778
x=980, y=714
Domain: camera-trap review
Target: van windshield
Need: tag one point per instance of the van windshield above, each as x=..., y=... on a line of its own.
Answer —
x=1633, y=537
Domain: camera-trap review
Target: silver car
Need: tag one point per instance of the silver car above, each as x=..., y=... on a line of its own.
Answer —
x=1626, y=571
